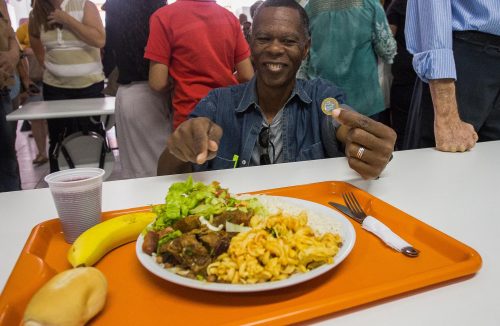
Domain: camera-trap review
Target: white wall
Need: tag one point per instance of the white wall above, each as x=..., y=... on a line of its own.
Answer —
x=18, y=9
x=21, y=8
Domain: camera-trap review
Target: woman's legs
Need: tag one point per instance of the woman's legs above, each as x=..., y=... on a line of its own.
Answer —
x=39, y=130
x=59, y=128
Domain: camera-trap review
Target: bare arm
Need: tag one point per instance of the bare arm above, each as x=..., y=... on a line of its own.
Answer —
x=158, y=76
x=90, y=30
x=38, y=49
x=451, y=133
x=24, y=73
x=244, y=70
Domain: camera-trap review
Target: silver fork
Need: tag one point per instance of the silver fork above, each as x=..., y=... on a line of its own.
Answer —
x=378, y=228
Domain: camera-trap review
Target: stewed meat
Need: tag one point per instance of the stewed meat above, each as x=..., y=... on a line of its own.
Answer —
x=150, y=242
x=187, y=224
x=237, y=217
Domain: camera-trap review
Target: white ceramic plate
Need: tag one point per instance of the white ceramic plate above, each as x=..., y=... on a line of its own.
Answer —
x=346, y=231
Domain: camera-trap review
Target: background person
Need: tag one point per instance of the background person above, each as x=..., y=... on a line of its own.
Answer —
x=456, y=50
x=35, y=75
x=403, y=75
x=65, y=37
x=347, y=36
x=9, y=57
x=200, y=45
x=143, y=117
x=254, y=7
x=276, y=118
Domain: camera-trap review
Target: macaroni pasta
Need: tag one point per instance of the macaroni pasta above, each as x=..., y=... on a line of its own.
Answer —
x=275, y=248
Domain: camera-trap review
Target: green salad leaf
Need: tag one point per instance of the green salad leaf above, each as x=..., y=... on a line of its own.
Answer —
x=196, y=198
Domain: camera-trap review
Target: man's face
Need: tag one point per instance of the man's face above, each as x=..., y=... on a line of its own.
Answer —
x=278, y=46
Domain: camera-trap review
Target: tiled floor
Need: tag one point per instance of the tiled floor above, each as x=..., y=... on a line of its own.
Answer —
x=32, y=175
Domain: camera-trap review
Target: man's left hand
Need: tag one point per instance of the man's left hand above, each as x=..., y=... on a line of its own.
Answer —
x=368, y=144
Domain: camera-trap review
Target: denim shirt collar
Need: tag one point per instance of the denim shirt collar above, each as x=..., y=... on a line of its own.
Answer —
x=249, y=97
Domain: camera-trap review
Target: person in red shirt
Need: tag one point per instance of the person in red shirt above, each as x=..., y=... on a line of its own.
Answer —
x=201, y=46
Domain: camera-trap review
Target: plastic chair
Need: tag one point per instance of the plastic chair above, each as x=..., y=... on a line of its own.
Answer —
x=88, y=149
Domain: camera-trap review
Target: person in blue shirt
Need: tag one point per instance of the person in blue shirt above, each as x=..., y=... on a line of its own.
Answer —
x=275, y=117
x=456, y=49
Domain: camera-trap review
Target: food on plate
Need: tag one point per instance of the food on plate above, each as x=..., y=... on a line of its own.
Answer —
x=204, y=232
x=189, y=230
x=276, y=247
x=70, y=298
x=100, y=239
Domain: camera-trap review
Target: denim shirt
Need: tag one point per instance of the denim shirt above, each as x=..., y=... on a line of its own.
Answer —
x=308, y=133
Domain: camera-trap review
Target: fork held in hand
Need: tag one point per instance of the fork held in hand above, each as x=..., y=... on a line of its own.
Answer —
x=378, y=228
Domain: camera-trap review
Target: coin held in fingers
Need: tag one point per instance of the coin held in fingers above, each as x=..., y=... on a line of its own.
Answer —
x=328, y=105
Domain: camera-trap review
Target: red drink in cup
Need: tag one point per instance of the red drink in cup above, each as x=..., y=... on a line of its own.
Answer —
x=77, y=194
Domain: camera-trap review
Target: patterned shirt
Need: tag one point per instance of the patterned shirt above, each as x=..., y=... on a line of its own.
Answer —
x=6, y=32
x=347, y=36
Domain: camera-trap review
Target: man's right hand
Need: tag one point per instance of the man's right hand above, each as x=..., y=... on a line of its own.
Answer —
x=454, y=135
x=450, y=132
x=195, y=140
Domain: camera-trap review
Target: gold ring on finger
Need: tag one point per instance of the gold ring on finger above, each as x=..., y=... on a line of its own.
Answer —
x=360, y=152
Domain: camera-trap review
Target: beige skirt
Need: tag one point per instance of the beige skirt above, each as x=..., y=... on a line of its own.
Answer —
x=143, y=123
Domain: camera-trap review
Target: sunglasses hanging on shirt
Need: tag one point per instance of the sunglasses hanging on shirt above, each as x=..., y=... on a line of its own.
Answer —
x=264, y=142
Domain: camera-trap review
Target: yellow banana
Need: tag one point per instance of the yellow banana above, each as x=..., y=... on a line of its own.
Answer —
x=100, y=239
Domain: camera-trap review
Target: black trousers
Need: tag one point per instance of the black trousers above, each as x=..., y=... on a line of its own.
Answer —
x=61, y=128
x=477, y=60
x=400, y=106
x=9, y=169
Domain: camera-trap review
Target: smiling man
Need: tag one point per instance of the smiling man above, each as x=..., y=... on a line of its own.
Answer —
x=276, y=118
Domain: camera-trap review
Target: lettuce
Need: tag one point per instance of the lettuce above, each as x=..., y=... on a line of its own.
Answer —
x=196, y=198
x=181, y=198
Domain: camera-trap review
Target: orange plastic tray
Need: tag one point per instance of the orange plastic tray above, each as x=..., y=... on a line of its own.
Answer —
x=136, y=297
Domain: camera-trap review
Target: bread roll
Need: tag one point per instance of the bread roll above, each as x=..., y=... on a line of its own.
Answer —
x=70, y=298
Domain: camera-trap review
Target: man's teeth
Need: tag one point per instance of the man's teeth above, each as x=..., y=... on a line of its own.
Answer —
x=274, y=66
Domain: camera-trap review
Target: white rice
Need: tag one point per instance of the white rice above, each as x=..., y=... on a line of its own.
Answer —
x=318, y=222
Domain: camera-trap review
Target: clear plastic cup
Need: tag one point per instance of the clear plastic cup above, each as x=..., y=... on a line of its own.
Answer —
x=77, y=195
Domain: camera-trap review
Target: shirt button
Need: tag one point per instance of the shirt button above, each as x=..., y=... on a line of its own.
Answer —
x=243, y=162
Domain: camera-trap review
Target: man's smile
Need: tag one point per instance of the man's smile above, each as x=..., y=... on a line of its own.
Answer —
x=274, y=67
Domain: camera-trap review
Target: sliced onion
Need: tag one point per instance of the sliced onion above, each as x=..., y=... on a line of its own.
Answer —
x=231, y=227
x=203, y=221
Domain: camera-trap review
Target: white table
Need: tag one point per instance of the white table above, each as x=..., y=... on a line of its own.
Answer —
x=64, y=109
x=456, y=193
x=103, y=107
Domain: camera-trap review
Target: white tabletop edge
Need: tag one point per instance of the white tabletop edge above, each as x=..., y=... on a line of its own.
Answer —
x=64, y=109
x=456, y=193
